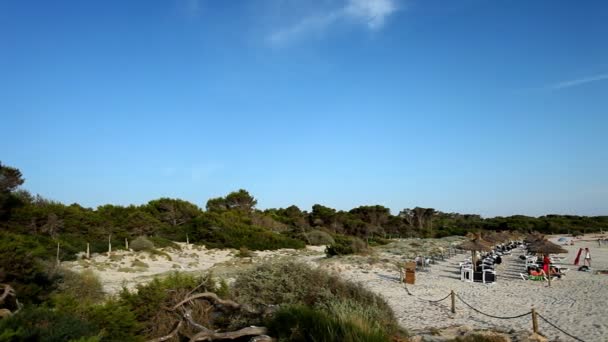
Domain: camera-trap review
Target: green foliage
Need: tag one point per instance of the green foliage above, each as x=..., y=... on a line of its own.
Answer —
x=21, y=267
x=244, y=252
x=76, y=290
x=480, y=338
x=115, y=321
x=238, y=200
x=43, y=324
x=318, y=238
x=344, y=245
x=141, y=243
x=232, y=229
x=301, y=323
x=296, y=283
x=173, y=212
x=148, y=301
x=160, y=242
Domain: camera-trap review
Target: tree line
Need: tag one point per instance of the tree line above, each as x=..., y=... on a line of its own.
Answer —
x=235, y=217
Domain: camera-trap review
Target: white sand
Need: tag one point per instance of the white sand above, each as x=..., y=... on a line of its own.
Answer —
x=118, y=270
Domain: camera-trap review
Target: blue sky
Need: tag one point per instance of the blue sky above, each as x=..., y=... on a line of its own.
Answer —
x=490, y=107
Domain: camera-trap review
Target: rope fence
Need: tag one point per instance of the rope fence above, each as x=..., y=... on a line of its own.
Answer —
x=532, y=312
x=485, y=314
x=558, y=328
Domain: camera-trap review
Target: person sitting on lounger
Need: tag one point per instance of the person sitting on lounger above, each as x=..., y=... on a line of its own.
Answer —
x=537, y=272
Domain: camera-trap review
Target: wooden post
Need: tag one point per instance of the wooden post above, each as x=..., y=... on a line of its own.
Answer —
x=187, y=240
x=534, y=321
x=453, y=295
x=88, y=251
x=57, y=253
x=109, y=244
x=126, y=244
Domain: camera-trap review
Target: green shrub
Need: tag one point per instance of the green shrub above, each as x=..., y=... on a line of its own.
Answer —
x=160, y=242
x=295, y=283
x=301, y=323
x=139, y=263
x=480, y=338
x=141, y=243
x=318, y=238
x=77, y=291
x=43, y=324
x=22, y=267
x=85, y=284
x=344, y=245
x=159, y=253
x=377, y=241
x=244, y=252
x=115, y=320
x=234, y=230
x=147, y=303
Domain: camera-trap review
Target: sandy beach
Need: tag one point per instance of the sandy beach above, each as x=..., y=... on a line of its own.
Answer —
x=577, y=303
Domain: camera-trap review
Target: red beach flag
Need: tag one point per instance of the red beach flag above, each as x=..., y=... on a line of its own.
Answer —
x=578, y=256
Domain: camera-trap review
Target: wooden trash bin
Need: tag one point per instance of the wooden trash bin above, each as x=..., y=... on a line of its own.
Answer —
x=410, y=272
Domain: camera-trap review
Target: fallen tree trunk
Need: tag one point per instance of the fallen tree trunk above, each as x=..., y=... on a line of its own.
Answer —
x=210, y=296
x=231, y=335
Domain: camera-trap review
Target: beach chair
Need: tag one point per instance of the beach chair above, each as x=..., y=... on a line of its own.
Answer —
x=488, y=276
x=466, y=274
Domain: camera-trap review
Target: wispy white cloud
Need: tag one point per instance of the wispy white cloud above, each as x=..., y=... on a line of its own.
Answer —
x=577, y=82
x=372, y=13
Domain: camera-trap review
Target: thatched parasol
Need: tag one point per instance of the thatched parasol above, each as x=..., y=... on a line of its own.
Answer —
x=476, y=244
x=536, y=236
x=546, y=247
x=494, y=237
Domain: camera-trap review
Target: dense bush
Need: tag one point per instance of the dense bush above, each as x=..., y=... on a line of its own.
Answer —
x=141, y=243
x=344, y=245
x=315, y=301
x=296, y=283
x=301, y=323
x=43, y=324
x=115, y=322
x=147, y=303
x=234, y=230
x=318, y=237
x=160, y=242
x=22, y=268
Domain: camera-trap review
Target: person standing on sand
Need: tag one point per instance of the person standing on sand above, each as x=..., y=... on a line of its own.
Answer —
x=587, y=257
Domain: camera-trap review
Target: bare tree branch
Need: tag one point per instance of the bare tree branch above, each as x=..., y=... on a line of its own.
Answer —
x=171, y=335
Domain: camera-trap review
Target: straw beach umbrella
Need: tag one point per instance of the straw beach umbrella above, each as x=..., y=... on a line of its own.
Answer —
x=546, y=247
x=533, y=237
x=476, y=244
x=493, y=237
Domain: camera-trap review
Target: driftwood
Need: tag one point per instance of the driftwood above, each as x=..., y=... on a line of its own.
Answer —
x=8, y=291
x=209, y=336
x=210, y=296
x=171, y=335
x=206, y=334
x=9, y=304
